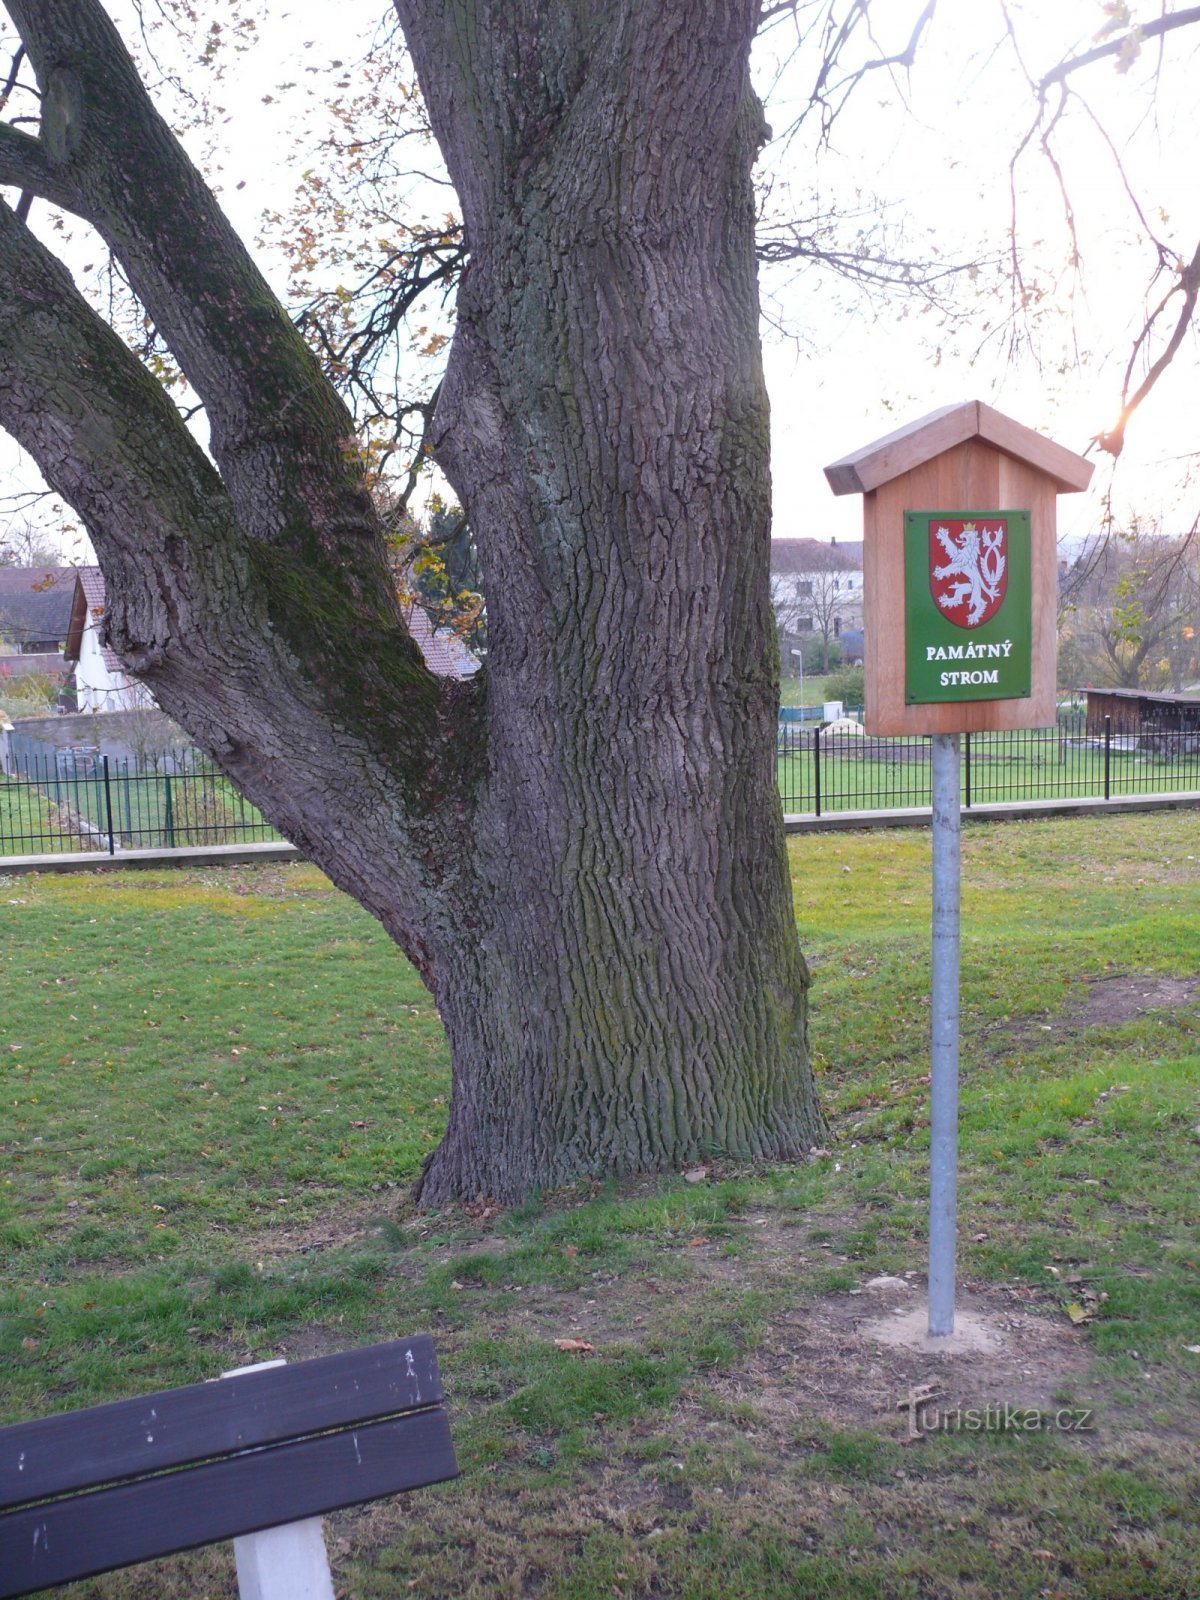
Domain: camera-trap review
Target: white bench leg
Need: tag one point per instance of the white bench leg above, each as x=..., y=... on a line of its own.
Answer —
x=285, y=1563
x=288, y=1563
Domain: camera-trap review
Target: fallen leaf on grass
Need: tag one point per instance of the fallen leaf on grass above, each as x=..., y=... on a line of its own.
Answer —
x=1078, y=1313
x=578, y=1347
x=699, y=1240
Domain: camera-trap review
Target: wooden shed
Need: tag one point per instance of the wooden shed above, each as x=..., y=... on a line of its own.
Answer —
x=1135, y=712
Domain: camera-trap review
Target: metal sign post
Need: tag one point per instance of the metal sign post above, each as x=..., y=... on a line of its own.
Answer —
x=943, y=1140
x=960, y=595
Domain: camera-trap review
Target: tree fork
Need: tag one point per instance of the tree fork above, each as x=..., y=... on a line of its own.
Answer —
x=583, y=853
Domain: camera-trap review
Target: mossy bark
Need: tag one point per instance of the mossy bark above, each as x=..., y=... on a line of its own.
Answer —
x=583, y=851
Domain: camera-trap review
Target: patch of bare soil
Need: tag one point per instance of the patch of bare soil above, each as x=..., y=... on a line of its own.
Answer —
x=836, y=1360
x=277, y=880
x=1108, y=1003
x=825, y=1360
x=1111, y=1001
x=333, y=1231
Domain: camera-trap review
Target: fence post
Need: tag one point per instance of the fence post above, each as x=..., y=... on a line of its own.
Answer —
x=112, y=849
x=817, y=766
x=1107, y=755
x=168, y=814
x=967, y=750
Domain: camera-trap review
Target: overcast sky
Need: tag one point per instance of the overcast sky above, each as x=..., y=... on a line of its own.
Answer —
x=937, y=144
x=927, y=152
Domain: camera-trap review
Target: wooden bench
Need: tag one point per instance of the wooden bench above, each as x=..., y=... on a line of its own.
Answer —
x=84, y=1492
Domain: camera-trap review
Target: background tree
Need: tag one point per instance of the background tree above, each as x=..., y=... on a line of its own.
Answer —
x=1132, y=613
x=581, y=853
x=22, y=544
x=828, y=601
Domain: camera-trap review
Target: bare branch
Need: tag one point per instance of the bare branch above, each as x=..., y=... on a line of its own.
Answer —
x=1165, y=254
x=1189, y=286
x=14, y=72
x=869, y=268
x=824, y=93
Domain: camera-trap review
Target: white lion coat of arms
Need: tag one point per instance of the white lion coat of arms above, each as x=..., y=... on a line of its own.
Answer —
x=973, y=574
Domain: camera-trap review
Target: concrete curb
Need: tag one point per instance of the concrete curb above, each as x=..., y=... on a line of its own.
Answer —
x=213, y=855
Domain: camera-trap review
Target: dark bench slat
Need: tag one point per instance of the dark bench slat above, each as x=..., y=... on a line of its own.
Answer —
x=69, y=1539
x=105, y=1444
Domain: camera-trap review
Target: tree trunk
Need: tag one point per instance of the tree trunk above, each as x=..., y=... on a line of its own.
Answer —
x=635, y=997
x=582, y=853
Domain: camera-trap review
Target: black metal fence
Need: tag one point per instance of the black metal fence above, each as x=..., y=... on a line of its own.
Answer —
x=78, y=800
x=823, y=770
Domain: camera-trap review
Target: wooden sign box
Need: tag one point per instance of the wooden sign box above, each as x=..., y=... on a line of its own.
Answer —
x=966, y=457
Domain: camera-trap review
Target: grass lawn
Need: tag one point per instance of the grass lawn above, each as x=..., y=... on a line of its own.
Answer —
x=810, y=692
x=216, y=1085
x=29, y=822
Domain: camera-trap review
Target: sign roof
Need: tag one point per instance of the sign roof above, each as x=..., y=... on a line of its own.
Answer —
x=896, y=453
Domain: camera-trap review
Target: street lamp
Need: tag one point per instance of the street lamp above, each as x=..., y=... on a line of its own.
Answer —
x=799, y=655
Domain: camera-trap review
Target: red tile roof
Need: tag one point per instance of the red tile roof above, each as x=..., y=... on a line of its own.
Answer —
x=444, y=654
x=795, y=556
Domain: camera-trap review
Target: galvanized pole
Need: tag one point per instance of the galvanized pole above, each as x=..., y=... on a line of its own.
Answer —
x=943, y=1143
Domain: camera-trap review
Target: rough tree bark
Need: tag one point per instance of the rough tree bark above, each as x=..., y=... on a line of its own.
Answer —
x=583, y=854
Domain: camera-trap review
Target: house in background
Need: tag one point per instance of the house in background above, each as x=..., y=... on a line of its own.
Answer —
x=101, y=682
x=816, y=590
x=35, y=614
x=35, y=609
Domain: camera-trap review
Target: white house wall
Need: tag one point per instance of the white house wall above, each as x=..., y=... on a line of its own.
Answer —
x=99, y=689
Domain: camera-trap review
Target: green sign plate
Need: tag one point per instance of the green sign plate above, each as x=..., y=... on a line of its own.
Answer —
x=967, y=606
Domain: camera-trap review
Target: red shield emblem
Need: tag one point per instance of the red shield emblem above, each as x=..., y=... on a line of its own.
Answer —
x=968, y=569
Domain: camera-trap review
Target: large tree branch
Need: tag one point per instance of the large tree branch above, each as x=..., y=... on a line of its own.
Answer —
x=1119, y=44
x=314, y=706
x=24, y=166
